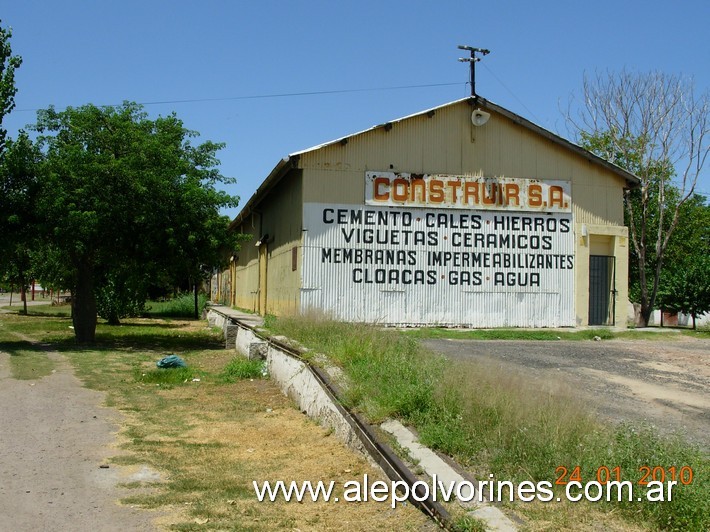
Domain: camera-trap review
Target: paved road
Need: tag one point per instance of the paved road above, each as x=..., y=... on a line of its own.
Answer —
x=17, y=302
x=665, y=382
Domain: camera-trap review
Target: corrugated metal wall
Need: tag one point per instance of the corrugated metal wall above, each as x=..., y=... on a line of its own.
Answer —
x=245, y=270
x=281, y=219
x=438, y=268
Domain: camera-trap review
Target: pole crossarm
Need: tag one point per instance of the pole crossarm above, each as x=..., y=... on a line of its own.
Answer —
x=472, y=62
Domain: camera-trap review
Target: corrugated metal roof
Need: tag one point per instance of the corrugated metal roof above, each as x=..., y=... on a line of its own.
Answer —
x=338, y=140
x=485, y=104
x=291, y=160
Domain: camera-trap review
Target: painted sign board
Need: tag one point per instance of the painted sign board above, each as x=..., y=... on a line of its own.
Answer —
x=437, y=266
x=396, y=189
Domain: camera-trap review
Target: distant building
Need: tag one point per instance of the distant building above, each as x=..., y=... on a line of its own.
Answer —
x=462, y=215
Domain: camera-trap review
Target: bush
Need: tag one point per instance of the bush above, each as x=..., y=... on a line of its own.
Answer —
x=115, y=301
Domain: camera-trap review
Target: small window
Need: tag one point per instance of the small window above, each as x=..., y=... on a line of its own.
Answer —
x=294, y=259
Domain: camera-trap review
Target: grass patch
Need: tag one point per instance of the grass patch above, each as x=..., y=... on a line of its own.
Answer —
x=700, y=332
x=169, y=376
x=182, y=307
x=30, y=364
x=42, y=310
x=494, y=422
x=390, y=375
x=242, y=368
x=468, y=523
x=179, y=307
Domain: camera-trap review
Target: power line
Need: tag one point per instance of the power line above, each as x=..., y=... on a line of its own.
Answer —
x=530, y=113
x=277, y=95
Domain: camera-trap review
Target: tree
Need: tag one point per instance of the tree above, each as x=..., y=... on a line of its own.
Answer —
x=13, y=261
x=691, y=238
x=8, y=64
x=685, y=281
x=124, y=193
x=655, y=126
x=19, y=225
x=687, y=289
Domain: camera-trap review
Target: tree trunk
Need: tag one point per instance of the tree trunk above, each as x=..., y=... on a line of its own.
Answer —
x=641, y=315
x=83, y=305
x=23, y=297
x=643, y=312
x=645, y=315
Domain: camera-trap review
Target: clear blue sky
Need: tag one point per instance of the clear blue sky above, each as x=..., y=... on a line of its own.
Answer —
x=101, y=52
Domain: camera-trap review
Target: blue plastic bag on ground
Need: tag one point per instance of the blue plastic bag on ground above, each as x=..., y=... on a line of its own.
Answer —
x=171, y=361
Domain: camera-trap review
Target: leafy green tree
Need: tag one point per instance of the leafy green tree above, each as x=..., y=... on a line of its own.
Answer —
x=8, y=64
x=687, y=289
x=20, y=166
x=50, y=267
x=124, y=193
x=685, y=281
x=655, y=126
x=691, y=238
x=14, y=260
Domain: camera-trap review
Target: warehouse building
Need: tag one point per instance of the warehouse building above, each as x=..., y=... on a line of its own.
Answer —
x=461, y=215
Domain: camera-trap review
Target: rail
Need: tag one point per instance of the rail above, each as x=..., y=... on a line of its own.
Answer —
x=380, y=452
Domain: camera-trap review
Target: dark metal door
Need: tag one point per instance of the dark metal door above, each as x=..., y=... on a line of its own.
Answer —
x=602, y=289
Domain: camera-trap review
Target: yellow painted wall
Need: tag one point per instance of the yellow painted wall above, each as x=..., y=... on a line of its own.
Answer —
x=448, y=143
x=281, y=217
x=601, y=240
x=245, y=270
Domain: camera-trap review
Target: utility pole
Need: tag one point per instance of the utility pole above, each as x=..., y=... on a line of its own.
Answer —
x=472, y=61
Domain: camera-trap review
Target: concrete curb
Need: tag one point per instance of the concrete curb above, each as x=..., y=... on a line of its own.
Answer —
x=437, y=468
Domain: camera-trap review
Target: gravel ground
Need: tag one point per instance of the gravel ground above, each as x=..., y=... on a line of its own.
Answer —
x=664, y=382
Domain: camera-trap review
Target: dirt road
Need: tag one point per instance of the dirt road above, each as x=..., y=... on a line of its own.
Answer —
x=664, y=382
x=54, y=437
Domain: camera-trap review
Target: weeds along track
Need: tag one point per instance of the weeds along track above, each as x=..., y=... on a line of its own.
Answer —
x=394, y=468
